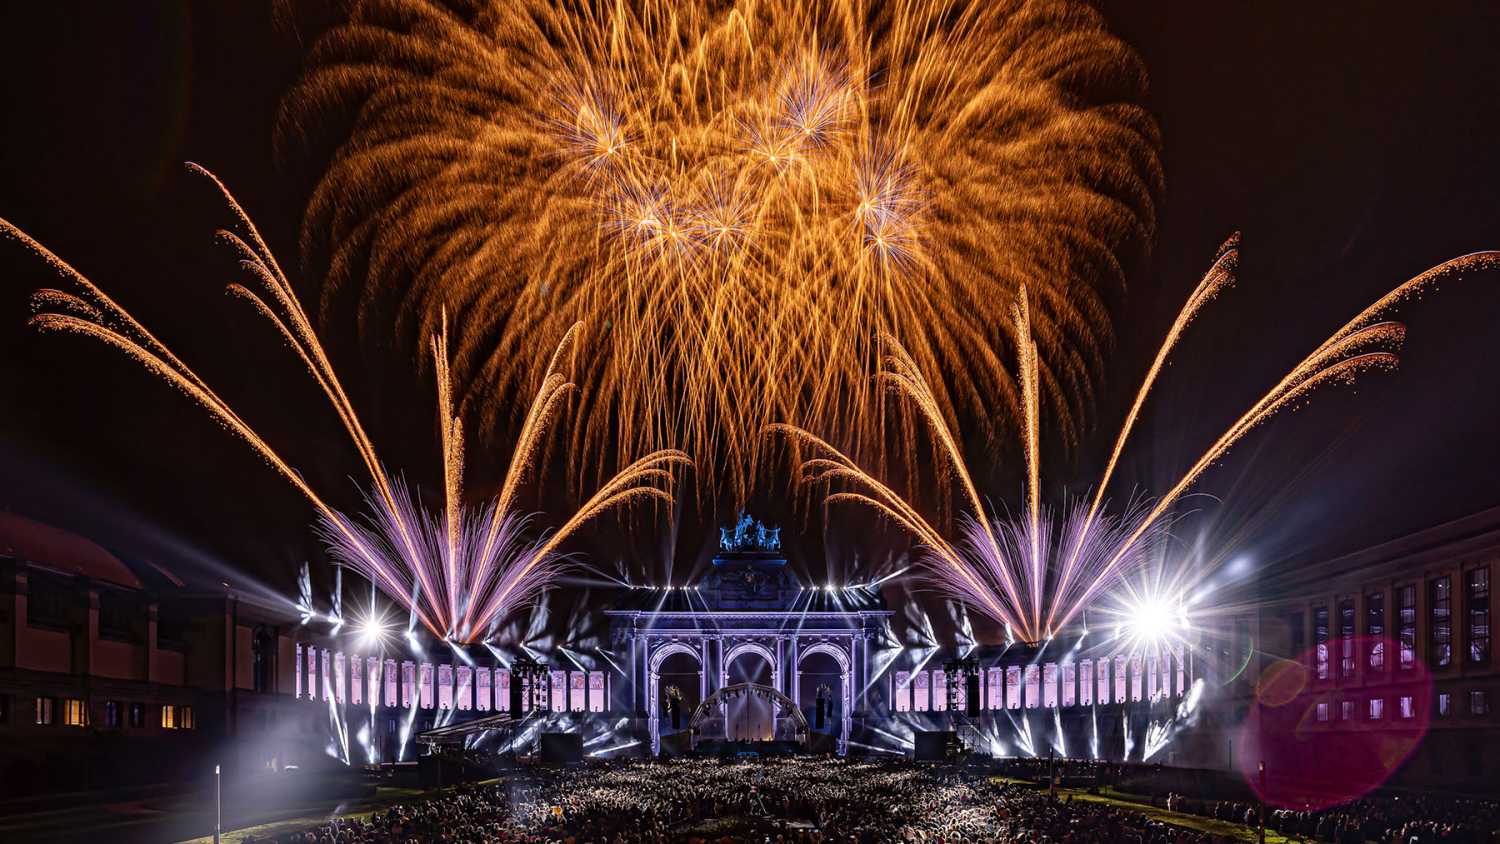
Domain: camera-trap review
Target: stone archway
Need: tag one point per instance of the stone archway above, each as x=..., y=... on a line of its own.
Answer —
x=738, y=650
x=653, y=686
x=846, y=693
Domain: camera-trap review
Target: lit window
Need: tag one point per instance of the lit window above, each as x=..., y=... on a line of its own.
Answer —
x=169, y=717
x=1323, y=711
x=185, y=719
x=1441, y=614
x=1445, y=704
x=1375, y=629
x=1320, y=642
x=45, y=711
x=1479, y=702
x=75, y=714
x=1377, y=708
x=1477, y=605
x=1407, y=706
x=1406, y=630
x=1346, y=710
x=1346, y=638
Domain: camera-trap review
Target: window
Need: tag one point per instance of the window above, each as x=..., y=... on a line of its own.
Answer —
x=4, y=709
x=1406, y=706
x=1479, y=702
x=1440, y=612
x=138, y=715
x=1377, y=708
x=46, y=601
x=1320, y=642
x=1346, y=710
x=112, y=714
x=1346, y=639
x=46, y=711
x=1323, y=711
x=1406, y=631
x=1445, y=705
x=168, y=717
x=116, y=612
x=75, y=714
x=185, y=719
x=1477, y=605
x=1375, y=629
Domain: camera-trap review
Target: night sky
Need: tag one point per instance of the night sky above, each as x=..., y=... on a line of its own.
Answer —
x=1351, y=143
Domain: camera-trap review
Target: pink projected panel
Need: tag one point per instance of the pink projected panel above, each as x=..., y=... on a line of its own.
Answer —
x=1181, y=673
x=465, y=693
x=392, y=684
x=502, y=690
x=559, y=691
x=298, y=672
x=939, y=691
x=312, y=673
x=1122, y=680
x=445, y=687
x=919, y=694
x=1101, y=681
x=596, y=691
x=425, y=683
x=1086, y=682
x=408, y=683
x=1152, y=689
x=372, y=676
x=1033, y=685
x=482, y=693
x=1049, y=685
x=1013, y=687
x=1137, y=668
x=996, y=692
x=340, y=672
x=960, y=692
x=1069, y=683
x=902, y=691
x=326, y=675
x=356, y=680
x=577, y=691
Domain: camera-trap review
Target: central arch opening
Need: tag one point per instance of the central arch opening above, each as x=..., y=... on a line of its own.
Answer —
x=749, y=717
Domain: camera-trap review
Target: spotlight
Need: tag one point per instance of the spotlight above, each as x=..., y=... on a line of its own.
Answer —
x=1153, y=621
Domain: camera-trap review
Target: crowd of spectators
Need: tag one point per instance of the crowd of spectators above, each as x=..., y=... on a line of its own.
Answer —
x=804, y=800
x=790, y=801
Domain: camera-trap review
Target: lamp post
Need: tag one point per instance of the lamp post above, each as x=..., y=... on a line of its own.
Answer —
x=1262, y=767
x=218, y=806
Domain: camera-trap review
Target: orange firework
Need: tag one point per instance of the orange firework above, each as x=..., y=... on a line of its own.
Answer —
x=460, y=571
x=1035, y=573
x=740, y=195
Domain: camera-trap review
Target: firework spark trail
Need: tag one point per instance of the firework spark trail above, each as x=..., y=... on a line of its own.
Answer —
x=739, y=195
x=1017, y=571
x=441, y=566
